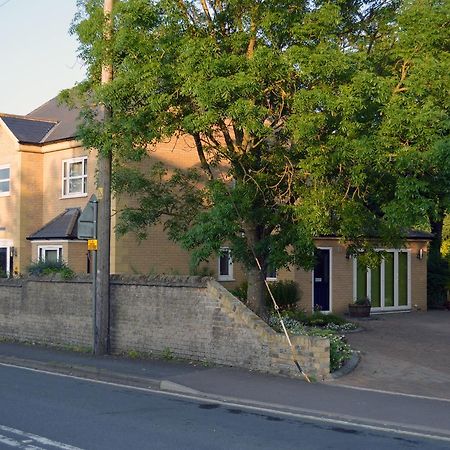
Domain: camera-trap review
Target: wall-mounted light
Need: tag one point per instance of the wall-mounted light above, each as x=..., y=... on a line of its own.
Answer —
x=420, y=254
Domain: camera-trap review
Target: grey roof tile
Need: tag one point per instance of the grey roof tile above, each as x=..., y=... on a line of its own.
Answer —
x=28, y=130
x=63, y=226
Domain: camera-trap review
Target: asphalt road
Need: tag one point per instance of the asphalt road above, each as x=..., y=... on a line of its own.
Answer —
x=39, y=410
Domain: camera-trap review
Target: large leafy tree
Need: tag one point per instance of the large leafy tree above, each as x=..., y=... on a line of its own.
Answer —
x=284, y=101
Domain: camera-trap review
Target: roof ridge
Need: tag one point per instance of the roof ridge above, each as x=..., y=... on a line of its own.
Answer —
x=33, y=119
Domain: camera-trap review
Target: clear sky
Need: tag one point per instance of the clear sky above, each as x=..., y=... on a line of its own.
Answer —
x=38, y=56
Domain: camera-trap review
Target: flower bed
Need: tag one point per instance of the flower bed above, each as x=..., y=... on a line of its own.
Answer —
x=340, y=351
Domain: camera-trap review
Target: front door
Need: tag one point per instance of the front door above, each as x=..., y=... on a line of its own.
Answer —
x=321, y=281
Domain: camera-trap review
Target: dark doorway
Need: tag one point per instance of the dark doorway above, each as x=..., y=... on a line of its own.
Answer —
x=321, y=280
x=3, y=262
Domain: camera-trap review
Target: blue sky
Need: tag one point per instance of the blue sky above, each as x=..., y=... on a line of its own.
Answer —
x=39, y=57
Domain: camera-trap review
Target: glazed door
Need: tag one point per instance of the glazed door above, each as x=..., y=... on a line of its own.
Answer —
x=321, y=280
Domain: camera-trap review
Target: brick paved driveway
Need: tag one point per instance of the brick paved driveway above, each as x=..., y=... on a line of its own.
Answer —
x=408, y=353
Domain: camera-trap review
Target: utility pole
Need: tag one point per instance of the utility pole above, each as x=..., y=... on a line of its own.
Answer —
x=102, y=319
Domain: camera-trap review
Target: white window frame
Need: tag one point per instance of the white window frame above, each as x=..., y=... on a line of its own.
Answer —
x=382, y=307
x=65, y=181
x=8, y=244
x=230, y=275
x=42, y=249
x=275, y=278
x=8, y=192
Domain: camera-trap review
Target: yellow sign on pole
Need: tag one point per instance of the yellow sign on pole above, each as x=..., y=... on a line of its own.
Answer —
x=92, y=244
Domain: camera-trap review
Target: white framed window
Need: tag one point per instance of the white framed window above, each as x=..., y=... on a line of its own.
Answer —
x=388, y=285
x=225, y=265
x=5, y=180
x=271, y=274
x=50, y=253
x=74, y=177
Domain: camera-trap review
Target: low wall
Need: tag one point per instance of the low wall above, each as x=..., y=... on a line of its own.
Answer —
x=196, y=318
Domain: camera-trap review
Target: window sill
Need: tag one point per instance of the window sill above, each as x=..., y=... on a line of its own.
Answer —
x=66, y=197
x=5, y=194
x=225, y=279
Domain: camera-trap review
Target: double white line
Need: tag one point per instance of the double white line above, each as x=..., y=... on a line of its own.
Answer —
x=28, y=441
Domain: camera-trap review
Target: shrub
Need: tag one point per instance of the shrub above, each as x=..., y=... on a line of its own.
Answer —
x=41, y=268
x=285, y=292
x=240, y=292
x=340, y=351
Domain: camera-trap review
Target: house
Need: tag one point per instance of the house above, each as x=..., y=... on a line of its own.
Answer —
x=47, y=177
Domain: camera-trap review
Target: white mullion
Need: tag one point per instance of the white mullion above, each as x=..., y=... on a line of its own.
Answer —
x=396, y=278
x=382, y=287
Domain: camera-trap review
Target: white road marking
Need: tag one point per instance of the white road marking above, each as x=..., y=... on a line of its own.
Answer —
x=297, y=415
x=9, y=442
x=381, y=391
x=34, y=438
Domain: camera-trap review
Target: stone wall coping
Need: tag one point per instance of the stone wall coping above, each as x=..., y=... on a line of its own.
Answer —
x=140, y=280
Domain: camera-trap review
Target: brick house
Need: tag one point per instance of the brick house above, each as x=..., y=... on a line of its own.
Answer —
x=47, y=177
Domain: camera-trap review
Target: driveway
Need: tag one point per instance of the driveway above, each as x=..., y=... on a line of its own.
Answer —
x=408, y=353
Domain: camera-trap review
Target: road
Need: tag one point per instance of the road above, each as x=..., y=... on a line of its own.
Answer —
x=48, y=411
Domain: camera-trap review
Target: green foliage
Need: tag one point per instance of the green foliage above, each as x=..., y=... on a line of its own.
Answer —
x=167, y=354
x=240, y=292
x=285, y=292
x=318, y=319
x=42, y=268
x=340, y=351
x=363, y=301
x=331, y=118
x=438, y=281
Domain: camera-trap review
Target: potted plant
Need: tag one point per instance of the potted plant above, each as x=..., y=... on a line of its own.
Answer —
x=360, y=307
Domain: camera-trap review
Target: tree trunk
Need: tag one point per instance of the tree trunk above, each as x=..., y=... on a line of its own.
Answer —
x=256, y=292
x=255, y=276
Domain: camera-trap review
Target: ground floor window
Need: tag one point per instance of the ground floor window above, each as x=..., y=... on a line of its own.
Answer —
x=225, y=265
x=50, y=253
x=388, y=284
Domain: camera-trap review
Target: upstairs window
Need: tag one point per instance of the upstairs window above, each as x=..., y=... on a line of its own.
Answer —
x=74, y=179
x=225, y=268
x=5, y=180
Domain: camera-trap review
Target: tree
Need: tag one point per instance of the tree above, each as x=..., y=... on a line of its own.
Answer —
x=284, y=102
x=416, y=122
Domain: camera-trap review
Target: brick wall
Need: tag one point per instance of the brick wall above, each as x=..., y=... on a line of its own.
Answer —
x=196, y=318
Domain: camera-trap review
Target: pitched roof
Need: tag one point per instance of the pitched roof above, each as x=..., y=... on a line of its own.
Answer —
x=63, y=226
x=66, y=119
x=26, y=130
x=50, y=122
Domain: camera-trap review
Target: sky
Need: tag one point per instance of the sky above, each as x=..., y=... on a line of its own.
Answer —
x=39, y=56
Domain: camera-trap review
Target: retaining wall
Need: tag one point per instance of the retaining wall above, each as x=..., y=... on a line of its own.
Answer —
x=193, y=317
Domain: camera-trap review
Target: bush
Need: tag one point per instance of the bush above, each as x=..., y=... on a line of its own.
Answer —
x=41, y=268
x=286, y=294
x=340, y=351
x=318, y=319
x=241, y=292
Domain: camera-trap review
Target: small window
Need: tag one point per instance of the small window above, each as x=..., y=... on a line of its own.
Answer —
x=51, y=253
x=225, y=265
x=74, y=177
x=5, y=180
x=271, y=274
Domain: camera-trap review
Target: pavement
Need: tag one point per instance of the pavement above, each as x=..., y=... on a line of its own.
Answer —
x=402, y=382
x=407, y=353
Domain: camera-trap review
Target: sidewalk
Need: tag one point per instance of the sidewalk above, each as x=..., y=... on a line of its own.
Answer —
x=237, y=386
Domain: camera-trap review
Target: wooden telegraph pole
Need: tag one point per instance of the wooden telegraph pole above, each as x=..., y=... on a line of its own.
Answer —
x=101, y=338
